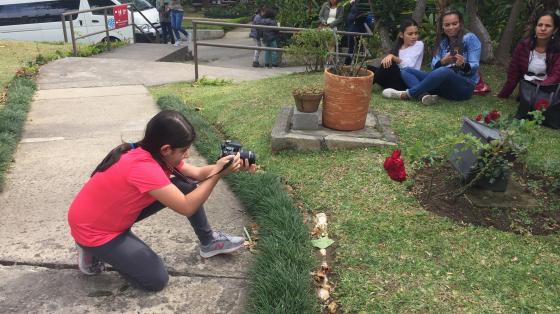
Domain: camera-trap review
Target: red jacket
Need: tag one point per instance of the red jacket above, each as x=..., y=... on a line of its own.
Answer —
x=520, y=63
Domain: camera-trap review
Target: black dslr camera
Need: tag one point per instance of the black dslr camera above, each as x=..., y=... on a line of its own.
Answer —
x=230, y=147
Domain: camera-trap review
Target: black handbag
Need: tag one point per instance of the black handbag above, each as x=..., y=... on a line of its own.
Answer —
x=530, y=93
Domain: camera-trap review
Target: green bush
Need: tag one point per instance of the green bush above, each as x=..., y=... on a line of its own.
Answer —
x=12, y=118
x=222, y=12
x=311, y=48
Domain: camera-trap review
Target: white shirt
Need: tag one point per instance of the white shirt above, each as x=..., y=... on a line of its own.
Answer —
x=332, y=16
x=411, y=57
x=537, y=65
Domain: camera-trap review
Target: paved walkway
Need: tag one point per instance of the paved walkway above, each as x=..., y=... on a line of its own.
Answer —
x=86, y=106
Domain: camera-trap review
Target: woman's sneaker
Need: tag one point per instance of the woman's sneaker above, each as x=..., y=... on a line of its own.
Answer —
x=221, y=244
x=392, y=93
x=89, y=264
x=429, y=100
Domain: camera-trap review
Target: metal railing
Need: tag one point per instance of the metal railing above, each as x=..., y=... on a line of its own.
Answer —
x=246, y=47
x=107, y=29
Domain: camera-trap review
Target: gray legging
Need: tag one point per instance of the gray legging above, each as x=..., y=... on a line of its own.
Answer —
x=135, y=260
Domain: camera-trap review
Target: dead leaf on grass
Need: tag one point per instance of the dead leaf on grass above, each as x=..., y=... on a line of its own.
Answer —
x=332, y=307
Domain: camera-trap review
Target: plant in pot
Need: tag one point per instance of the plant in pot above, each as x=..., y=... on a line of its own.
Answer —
x=310, y=47
x=347, y=91
x=308, y=97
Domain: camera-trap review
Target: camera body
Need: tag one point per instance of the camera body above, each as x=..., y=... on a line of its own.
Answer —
x=230, y=147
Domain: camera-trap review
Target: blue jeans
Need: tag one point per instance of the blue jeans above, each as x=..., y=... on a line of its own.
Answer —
x=177, y=24
x=268, y=55
x=442, y=81
x=166, y=32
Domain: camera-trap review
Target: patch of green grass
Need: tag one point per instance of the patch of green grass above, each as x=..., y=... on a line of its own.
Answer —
x=15, y=54
x=12, y=118
x=280, y=281
x=391, y=254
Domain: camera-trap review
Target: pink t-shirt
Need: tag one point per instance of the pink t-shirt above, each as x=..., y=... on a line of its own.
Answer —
x=109, y=203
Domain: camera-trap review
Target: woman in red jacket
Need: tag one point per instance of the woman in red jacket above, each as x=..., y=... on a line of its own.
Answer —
x=537, y=57
x=133, y=182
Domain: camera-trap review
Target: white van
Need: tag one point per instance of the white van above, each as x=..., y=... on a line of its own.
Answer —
x=40, y=20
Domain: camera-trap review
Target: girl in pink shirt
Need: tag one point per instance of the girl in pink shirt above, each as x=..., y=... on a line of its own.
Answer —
x=133, y=182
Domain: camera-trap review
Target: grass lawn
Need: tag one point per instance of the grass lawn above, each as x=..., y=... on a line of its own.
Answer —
x=391, y=254
x=15, y=54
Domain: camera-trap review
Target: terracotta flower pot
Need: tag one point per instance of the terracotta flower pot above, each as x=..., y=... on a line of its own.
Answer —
x=346, y=100
x=307, y=103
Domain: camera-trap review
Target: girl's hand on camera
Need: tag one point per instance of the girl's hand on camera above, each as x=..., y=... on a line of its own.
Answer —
x=447, y=59
x=248, y=167
x=459, y=60
x=231, y=164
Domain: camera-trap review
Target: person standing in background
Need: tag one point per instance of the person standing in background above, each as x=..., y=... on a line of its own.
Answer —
x=165, y=21
x=177, y=13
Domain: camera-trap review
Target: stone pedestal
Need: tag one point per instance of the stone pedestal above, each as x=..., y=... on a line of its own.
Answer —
x=305, y=120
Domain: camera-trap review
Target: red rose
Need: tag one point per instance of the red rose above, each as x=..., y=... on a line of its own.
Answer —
x=395, y=166
x=492, y=116
x=542, y=105
x=478, y=117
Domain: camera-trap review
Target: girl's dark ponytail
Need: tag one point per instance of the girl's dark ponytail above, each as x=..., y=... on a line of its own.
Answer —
x=168, y=127
x=112, y=157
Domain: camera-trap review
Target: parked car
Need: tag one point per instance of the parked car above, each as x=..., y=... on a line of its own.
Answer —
x=40, y=20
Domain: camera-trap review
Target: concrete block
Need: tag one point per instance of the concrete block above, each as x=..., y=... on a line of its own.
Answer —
x=305, y=120
x=302, y=142
x=345, y=142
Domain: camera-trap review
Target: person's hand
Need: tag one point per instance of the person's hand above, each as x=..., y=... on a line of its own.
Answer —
x=232, y=163
x=459, y=60
x=387, y=61
x=248, y=167
x=447, y=59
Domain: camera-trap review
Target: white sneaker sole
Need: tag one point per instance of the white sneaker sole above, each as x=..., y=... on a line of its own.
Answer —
x=223, y=251
x=429, y=100
x=391, y=93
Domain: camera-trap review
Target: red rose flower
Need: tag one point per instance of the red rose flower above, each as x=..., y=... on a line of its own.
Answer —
x=492, y=116
x=395, y=166
x=478, y=117
x=542, y=105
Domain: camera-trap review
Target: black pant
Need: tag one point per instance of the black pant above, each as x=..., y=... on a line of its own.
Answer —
x=135, y=260
x=388, y=77
x=167, y=32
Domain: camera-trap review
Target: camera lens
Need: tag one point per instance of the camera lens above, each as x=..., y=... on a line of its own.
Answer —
x=249, y=155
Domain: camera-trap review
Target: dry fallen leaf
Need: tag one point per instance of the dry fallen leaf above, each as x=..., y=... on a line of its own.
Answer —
x=323, y=294
x=332, y=307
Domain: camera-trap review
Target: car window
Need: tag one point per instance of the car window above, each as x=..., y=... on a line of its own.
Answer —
x=36, y=12
x=100, y=3
x=139, y=4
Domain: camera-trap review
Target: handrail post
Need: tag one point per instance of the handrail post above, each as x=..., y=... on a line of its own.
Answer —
x=63, y=19
x=107, y=38
x=132, y=25
x=195, y=52
x=74, y=49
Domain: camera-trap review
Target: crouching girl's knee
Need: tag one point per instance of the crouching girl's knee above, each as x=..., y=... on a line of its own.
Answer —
x=157, y=282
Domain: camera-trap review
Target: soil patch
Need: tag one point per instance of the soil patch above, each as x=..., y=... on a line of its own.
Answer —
x=434, y=187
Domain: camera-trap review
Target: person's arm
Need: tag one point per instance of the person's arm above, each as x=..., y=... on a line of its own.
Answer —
x=514, y=72
x=188, y=204
x=470, y=65
x=441, y=54
x=553, y=76
x=324, y=12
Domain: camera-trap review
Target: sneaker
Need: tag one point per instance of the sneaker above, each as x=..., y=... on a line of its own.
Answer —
x=392, y=93
x=89, y=264
x=177, y=43
x=256, y=64
x=429, y=99
x=222, y=243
